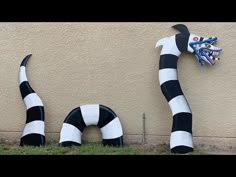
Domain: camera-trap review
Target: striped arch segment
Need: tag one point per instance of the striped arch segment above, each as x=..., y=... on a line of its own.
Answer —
x=181, y=134
x=92, y=114
x=33, y=133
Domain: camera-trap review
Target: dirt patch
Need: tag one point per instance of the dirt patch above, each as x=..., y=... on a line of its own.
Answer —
x=8, y=142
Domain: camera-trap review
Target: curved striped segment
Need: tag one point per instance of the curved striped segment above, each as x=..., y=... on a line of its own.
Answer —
x=94, y=114
x=33, y=133
x=181, y=133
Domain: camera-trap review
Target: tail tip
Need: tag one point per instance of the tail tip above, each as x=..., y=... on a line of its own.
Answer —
x=25, y=60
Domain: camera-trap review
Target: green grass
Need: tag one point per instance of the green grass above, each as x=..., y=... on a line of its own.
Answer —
x=88, y=149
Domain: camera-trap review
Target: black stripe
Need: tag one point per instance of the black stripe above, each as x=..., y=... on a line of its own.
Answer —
x=75, y=118
x=182, y=29
x=182, y=42
x=201, y=39
x=25, y=89
x=168, y=61
x=181, y=149
x=69, y=143
x=32, y=139
x=171, y=89
x=25, y=60
x=35, y=113
x=106, y=115
x=109, y=109
x=113, y=142
x=182, y=122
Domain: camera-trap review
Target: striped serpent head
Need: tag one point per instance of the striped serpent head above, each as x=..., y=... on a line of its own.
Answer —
x=201, y=47
x=204, y=49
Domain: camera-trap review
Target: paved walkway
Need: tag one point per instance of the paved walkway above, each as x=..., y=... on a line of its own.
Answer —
x=221, y=153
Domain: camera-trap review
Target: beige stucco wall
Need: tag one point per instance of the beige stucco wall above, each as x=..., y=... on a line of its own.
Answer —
x=116, y=64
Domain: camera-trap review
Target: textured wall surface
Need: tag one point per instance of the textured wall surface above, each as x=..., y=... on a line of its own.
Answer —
x=116, y=64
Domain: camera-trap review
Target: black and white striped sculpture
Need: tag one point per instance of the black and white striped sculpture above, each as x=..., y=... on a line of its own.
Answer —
x=92, y=114
x=172, y=47
x=33, y=133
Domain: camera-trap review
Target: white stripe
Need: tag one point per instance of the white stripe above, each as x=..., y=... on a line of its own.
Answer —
x=90, y=114
x=167, y=74
x=179, y=104
x=22, y=76
x=36, y=126
x=70, y=133
x=169, y=47
x=112, y=130
x=32, y=100
x=181, y=138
